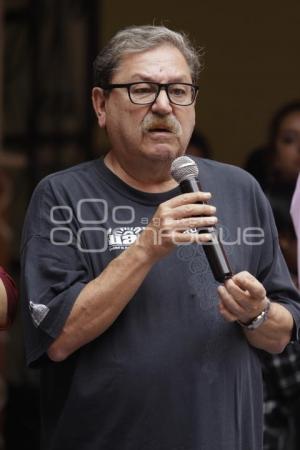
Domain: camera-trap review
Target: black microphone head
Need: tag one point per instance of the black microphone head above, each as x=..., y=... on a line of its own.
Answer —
x=183, y=168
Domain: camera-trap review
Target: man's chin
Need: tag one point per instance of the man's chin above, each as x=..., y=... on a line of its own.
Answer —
x=164, y=153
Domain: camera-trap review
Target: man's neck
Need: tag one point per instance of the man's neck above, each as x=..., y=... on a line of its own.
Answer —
x=155, y=178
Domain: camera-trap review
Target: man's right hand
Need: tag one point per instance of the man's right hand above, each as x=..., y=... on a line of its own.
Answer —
x=170, y=224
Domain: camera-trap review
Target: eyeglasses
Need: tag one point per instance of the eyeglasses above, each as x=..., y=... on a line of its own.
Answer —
x=146, y=93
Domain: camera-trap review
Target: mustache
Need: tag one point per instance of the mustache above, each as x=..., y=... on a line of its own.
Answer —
x=170, y=123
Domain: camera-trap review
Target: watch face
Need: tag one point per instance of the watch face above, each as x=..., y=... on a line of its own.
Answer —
x=258, y=321
x=262, y=317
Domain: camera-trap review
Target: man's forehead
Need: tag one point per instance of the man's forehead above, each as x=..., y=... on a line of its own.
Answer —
x=165, y=59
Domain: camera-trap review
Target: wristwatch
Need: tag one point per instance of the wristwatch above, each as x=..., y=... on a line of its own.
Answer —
x=257, y=321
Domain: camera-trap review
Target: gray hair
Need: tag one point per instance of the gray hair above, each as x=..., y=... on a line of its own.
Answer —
x=142, y=38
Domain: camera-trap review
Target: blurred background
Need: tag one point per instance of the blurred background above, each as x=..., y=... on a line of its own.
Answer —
x=252, y=68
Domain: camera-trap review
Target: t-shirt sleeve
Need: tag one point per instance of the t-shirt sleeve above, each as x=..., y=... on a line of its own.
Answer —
x=52, y=274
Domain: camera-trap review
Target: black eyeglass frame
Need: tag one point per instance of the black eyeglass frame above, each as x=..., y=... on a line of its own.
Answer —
x=160, y=86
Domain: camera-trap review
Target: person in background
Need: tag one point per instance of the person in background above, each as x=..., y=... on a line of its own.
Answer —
x=8, y=305
x=276, y=167
x=295, y=213
x=8, y=299
x=278, y=159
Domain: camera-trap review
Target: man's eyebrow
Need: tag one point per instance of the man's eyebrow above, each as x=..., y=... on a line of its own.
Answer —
x=176, y=79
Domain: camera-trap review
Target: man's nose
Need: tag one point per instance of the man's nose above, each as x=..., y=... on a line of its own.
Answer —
x=162, y=103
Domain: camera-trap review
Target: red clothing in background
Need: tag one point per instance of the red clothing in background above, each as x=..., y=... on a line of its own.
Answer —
x=11, y=292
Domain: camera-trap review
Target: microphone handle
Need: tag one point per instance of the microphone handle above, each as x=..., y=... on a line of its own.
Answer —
x=213, y=249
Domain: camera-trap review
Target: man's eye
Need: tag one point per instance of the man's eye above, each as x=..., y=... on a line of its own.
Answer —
x=178, y=92
x=142, y=90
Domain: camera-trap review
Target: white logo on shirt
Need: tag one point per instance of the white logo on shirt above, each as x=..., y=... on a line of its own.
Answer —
x=122, y=237
x=38, y=312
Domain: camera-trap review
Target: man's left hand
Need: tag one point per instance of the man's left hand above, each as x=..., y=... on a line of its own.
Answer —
x=242, y=298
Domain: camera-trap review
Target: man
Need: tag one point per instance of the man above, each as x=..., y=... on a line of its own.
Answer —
x=8, y=299
x=139, y=348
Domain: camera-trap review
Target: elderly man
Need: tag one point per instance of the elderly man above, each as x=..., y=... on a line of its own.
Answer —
x=138, y=345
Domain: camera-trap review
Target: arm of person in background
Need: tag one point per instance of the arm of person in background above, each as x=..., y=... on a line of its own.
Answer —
x=8, y=299
x=295, y=213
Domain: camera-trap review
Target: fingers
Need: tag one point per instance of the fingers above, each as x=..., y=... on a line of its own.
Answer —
x=186, y=206
x=178, y=238
x=248, y=282
x=190, y=197
x=177, y=221
x=227, y=314
x=242, y=298
x=229, y=307
x=178, y=215
x=193, y=209
x=192, y=222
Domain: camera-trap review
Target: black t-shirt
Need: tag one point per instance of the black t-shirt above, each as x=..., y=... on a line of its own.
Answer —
x=170, y=373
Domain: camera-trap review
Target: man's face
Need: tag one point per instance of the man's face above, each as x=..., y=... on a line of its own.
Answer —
x=160, y=131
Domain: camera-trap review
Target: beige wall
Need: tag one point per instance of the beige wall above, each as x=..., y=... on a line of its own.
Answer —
x=252, y=61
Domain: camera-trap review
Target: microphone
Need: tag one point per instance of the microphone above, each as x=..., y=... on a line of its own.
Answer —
x=185, y=171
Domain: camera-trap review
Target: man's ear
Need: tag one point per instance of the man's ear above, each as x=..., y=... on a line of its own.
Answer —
x=99, y=99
